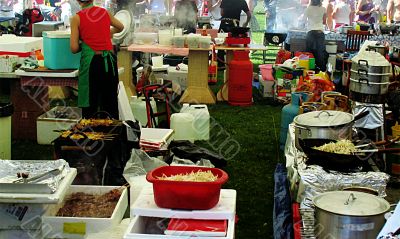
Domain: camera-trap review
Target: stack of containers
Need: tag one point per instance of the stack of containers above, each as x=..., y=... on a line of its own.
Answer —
x=266, y=80
x=22, y=208
x=162, y=204
x=331, y=48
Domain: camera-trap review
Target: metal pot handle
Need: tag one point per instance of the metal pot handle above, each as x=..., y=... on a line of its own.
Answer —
x=363, y=72
x=363, y=79
x=353, y=198
x=323, y=111
x=366, y=62
x=303, y=128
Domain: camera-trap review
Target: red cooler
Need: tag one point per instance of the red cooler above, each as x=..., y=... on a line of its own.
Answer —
x=240, y=79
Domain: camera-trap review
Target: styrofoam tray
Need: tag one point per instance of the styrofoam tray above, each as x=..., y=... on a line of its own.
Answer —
x=72, y=74
x=79, y=227
x=56, y=197
x=225, y=209
x=136, y=230
x=156, y=134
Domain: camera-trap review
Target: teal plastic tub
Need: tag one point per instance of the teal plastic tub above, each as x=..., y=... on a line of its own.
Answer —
x=57, y=53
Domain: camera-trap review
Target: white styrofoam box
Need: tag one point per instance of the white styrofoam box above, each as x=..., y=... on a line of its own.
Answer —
x=113, y=232
x=157, y=134
x=138, y=225
x=178, y=79
x=13, y=43
x=136, y=185
x=58, y=118
x=8, y=63
x=21, y=216
x=79, y=227
x=21, y=234
x=225, y=209
x=201, y=123
x=43, y=198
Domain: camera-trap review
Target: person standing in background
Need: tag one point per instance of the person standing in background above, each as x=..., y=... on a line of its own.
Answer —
x=365, y=11
x=393, y=11
x=315, y=38
x=254, y=26
x=230, y=17
x=328, y=5
x=270, y=14
x=98, y=72
x=215, y=12
x=341, y=13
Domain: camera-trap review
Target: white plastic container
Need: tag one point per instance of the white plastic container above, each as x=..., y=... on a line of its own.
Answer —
x=179, y=41
x=182, y=124
x=193, y=40
x=201, y=123
x=138, y=106
x=165, y=37
x=57, y=52
x=331, y=48
x=80, y=227
x=204, y=42
x=58, y=118
x=145, y=37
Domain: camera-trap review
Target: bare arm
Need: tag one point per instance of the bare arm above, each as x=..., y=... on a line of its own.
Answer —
x=334, y=12
x=390, y=7
x=74, y=42
x=248, y=17
x=362, y=13
x=116, y=25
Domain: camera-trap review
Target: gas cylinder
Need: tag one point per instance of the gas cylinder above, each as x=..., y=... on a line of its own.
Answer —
x=240, y=79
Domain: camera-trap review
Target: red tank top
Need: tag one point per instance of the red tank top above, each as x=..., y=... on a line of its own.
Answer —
x=94, y=28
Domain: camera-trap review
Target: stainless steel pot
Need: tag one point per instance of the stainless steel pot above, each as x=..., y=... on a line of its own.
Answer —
x=364, y=86
x=371, y=69
x=344, y=29
x=346, y=214
x=327, y=124
x=363, y=74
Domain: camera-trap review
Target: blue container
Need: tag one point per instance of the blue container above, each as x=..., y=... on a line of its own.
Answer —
x=57, y=52
x=289, y=112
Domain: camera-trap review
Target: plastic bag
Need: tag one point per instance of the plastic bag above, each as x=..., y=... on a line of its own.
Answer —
x=187, y=150
x=202, y=162
x=140, y=163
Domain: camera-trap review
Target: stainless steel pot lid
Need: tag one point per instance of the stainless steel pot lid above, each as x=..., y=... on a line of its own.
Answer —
x=351, y=203
x=324, y=118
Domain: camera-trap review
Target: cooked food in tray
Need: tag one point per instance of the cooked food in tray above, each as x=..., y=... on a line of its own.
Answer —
x=88, y=205
x=199, y=176
x=95, y=122
x=343, y=146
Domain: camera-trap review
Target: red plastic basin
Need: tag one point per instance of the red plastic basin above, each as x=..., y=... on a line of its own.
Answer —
x=185, y=195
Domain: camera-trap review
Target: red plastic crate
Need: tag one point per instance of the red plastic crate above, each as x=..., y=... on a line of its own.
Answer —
x=186, y=195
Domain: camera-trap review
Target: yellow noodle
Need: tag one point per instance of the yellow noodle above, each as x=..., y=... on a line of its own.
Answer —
x=199, y=176
x=340, y=147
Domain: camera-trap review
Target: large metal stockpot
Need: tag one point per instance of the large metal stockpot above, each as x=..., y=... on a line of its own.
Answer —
x=366, y=87
x=349, y=215
x=326, y=124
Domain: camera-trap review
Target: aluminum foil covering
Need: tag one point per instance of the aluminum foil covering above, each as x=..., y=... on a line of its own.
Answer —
x=9, y=170
x=314, y=180
x=373, y=120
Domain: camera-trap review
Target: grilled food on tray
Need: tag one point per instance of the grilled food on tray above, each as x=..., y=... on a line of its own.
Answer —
x=88, y=205
x=94, y=122
x=343, y=146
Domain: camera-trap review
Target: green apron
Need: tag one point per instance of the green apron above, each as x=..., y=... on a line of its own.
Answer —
x=84, y=68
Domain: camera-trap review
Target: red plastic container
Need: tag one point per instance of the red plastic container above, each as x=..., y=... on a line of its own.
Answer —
x=185, y=195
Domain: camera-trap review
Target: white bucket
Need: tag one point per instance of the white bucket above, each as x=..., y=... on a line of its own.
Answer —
x=138, y=106
x=331, y=48
x=182, y=124
x=201, y=122
x=157, y=61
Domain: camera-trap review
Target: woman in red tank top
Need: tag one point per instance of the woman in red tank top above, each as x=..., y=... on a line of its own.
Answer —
x=91, y=32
